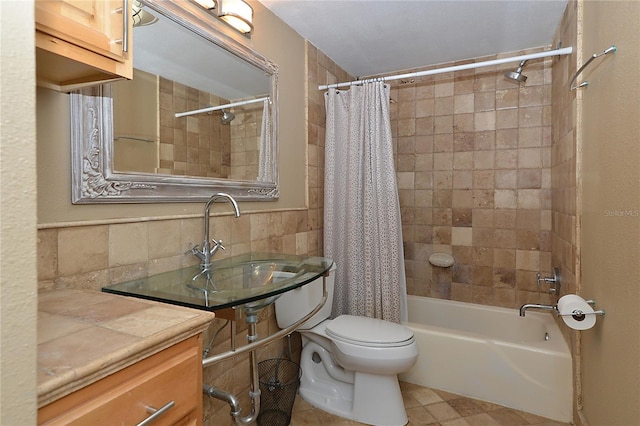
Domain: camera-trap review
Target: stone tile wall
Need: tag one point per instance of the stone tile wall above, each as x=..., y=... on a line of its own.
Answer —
x=245, y=134
x=195, y=145
x=473, y=158
x=320, y=70
x=565, y=163
x=94, y=255
x=565, y=158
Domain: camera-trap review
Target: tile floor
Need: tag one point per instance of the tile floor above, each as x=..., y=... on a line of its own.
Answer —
x=434, y=408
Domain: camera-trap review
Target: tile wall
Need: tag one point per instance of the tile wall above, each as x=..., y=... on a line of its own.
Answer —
x=564, y=159
x=201, y=145
x=245, y=134
x=565, y=182
x=195, y=145
x=92, y=256
x=321, y=70
x=473, y=158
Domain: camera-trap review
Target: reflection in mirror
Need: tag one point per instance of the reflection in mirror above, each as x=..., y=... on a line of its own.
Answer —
x=199, y=116
x=223, y=144
x=135, y=124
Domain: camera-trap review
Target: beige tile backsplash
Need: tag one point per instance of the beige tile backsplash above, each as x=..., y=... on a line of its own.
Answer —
x=164, y=239
x=82, y=249
x=121, y=251
x=91, y=257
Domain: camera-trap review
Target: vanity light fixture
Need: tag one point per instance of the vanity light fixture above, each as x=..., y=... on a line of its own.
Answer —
x=236, y=13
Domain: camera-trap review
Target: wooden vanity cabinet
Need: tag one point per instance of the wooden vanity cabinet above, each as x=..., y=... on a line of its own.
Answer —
x=174, y=374
x=83, y=42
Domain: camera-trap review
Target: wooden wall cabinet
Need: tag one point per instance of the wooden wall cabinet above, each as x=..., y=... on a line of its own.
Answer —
x=83, y=42
x=172, y=375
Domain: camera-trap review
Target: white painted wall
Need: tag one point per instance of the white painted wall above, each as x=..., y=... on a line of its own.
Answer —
x=18, y=285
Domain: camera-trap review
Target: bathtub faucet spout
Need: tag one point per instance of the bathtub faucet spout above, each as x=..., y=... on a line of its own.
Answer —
x=526, y=306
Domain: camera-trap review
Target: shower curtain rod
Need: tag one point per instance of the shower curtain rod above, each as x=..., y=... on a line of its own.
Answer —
x=218, y=107
x=563, y=51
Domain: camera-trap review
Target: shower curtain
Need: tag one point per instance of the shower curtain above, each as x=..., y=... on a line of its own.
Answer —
x=362, y=228
x=265, y=163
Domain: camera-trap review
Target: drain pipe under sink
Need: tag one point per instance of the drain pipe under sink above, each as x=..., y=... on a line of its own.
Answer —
x=254, y=390
x=252, y=345
x=227, y=397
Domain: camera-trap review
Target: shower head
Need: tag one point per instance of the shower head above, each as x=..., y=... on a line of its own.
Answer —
x=517, y=74
x=227, y=117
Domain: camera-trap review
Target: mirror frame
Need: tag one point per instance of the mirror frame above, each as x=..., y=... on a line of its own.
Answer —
x=93, y=178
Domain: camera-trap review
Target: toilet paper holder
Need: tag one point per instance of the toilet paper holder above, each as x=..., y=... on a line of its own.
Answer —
x=578, y=315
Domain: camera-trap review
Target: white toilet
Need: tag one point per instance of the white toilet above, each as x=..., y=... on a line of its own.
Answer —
x=349, y=364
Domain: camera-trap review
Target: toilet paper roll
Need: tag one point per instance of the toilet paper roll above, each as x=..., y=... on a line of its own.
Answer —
x=576, y=312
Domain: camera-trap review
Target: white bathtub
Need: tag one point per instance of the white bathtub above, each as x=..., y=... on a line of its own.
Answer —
x=492, y=354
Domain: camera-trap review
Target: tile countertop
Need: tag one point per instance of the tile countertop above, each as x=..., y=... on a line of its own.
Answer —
x=84, y=336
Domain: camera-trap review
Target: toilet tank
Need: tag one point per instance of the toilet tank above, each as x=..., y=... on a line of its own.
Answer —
x=293, y=305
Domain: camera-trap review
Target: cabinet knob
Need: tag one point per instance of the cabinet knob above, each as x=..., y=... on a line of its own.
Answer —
x=156, y=413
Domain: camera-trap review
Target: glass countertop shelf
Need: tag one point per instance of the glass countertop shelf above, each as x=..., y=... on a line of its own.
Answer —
x=252, y=280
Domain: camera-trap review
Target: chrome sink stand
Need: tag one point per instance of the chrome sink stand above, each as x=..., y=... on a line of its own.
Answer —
x=254, y=388
x=252, y=345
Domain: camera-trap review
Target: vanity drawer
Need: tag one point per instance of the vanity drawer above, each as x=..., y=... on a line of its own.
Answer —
x=174, y=374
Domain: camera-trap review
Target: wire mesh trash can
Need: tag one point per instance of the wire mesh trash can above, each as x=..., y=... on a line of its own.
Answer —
x=279, y=380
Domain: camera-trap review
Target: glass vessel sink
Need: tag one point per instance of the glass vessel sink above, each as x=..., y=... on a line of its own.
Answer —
x=253, y=280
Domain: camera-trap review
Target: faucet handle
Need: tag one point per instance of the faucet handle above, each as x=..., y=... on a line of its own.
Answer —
x=554, y=282
x=217, y=245
x=195, y=250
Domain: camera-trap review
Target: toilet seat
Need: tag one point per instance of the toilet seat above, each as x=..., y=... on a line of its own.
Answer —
x=372, y=332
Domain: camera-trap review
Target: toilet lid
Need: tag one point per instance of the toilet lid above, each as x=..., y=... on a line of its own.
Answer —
x=368, y=331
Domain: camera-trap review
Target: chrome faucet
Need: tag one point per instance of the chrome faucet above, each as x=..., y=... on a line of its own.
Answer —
x=207, y=251
x=526, y=306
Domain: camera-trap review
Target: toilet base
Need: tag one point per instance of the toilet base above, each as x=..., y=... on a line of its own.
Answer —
x=378, y=400
x=366, y=398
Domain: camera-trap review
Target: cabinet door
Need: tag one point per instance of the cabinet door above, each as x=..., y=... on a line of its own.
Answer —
x=100, y=26
x=171, y=378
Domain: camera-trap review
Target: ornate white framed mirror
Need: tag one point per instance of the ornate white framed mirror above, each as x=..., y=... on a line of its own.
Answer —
x=200, y=116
